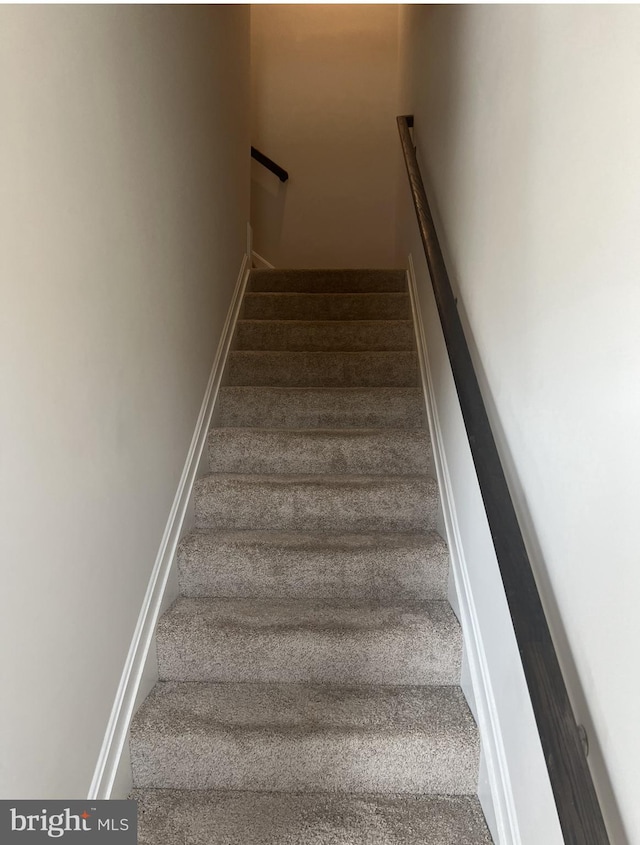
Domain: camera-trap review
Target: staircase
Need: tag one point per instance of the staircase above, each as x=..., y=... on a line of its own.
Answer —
x=309, y=671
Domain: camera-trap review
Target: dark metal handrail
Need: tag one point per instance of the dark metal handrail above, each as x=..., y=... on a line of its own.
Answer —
x=267, y=162
x=575, y=796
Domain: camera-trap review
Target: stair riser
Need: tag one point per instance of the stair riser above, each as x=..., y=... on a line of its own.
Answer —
x=360, y=452
x=261, y=503
x=368, y=761
x=234, y=567
x=336, y=335
x=309, y=408
x=322, y=369
x=319, y=306
x=429, y=654
x=331, y=281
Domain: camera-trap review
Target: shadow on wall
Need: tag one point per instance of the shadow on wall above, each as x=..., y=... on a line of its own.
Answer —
x=268, y=199
x=448, y=103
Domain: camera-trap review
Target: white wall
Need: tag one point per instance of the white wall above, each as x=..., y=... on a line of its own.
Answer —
x=124, y=179
x=528, y=130
x=324, y=97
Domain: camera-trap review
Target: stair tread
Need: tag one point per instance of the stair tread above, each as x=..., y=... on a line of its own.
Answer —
x=309, y=641
x=293, y=305
x=305, y=738
x=313, y=615
x=339, y=407
x=203, y=817
x=325, y=335
x=299, y=564
x=304, y=541
x=329, y=432
x=329, y=324
x=318, y=481
x=319, y=355
x=346, y=281
x=367, y=450
x=178, y=707
x=316, y=502
x=322, y=369
x=314, y=479
x=382, y=295
x=392, y=392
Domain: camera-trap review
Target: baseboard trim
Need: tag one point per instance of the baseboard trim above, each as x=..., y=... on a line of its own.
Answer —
x=124, y=703
x=260, y=263
x=504, y=810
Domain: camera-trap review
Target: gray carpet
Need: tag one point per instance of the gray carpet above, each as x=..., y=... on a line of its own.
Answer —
x=356, y=407
x=178, y=817
x=298, y=564
x=309, y=671
x=327, y=306
x=325, y=335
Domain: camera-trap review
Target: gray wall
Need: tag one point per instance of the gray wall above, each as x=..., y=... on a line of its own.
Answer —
x=124, y=177
x=528, y=131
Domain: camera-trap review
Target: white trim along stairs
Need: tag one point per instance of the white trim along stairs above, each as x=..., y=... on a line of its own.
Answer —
x=498, y=803
x=139, y=657
x=309, y=669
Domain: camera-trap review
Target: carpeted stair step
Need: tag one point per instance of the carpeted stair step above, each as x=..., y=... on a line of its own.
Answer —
x=303, y=641
x=376, y=451
x=176, y=817
x=309, y=671
x=322, y=369
x=290, y=407
x=298, y=565
x=328, y=281
x=305, y=738
x=325, y=335
x=344, y=503
x=326, y=306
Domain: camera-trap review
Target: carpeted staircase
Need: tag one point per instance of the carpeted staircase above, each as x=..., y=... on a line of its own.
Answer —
x=309, y=671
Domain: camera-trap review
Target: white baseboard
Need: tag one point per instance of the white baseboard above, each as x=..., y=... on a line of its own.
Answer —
x=260, y=263
x=502, y=811
x=123, y=706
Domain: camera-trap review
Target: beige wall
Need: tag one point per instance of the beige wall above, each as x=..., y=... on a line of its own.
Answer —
x=528, y=130
x=124, y=180
x=324, y=99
